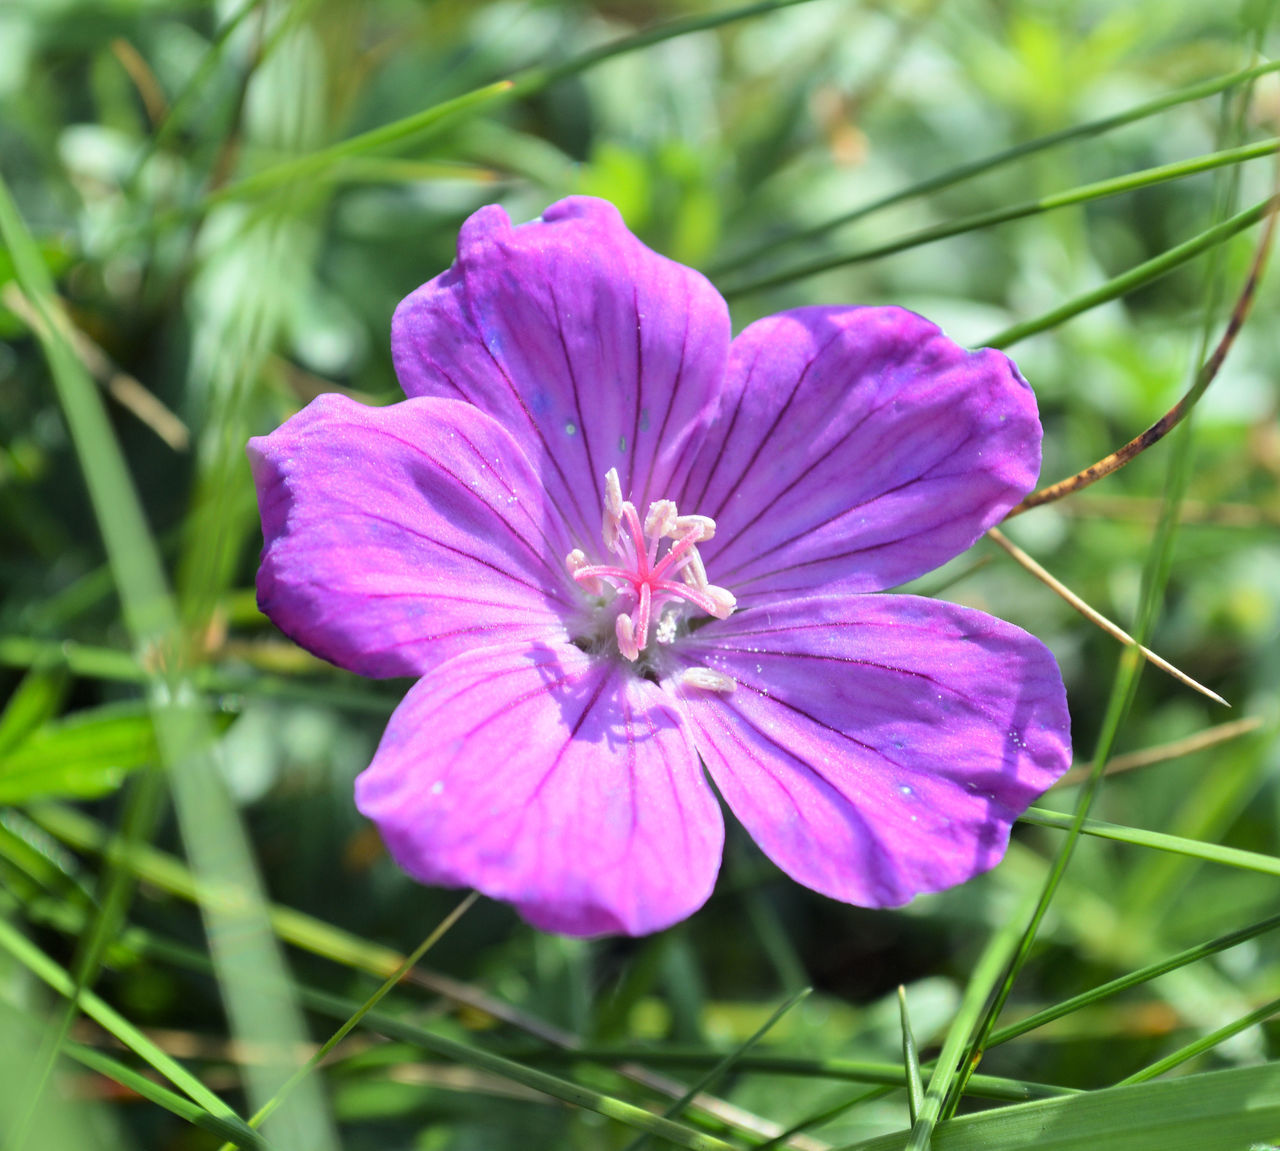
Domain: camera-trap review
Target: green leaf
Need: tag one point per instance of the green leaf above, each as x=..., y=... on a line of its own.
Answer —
x=85, y=755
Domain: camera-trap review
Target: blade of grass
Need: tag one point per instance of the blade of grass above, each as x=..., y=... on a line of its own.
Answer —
x=1208, y=371
x=714, y=1074
x=1203, y=1044
x=1132, y=979
x=1216, y=1111
x=414, y=127
x=1083, y=194
x=1136, y=277
x=45, y=969
x=1195, y=849
x=910, y=1060
x=353, y=1021
x=238, y=932
x=964, y=172
x=234, y=1130
x=983, y=980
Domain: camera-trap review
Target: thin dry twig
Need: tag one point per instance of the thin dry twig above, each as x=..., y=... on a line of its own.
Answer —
x=121, y=386
x=1095, y=616
x=1163, y=752
x=144, y=79
x=1176, y=414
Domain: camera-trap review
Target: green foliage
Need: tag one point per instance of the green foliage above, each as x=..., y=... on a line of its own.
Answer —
x=208, y=213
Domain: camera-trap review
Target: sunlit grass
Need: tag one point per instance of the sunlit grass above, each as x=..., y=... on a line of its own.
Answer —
x=217, y=207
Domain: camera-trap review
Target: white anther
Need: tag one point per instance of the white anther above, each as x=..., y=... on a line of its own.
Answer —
x=611, y=517
x=661, y=520
x=705, y=679
x=613, y=494
x=665, y=632
x=626, y=638
x=724, y=600
x=575, y=561
x=694, y=573
x=705, y=526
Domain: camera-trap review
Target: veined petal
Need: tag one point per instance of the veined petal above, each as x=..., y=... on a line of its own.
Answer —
x=558, y=782
x=878, y=747
x=594, y=351
x=398, y=535
x=860, y=448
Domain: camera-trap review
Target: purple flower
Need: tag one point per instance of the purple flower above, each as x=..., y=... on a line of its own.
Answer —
x=609, y=541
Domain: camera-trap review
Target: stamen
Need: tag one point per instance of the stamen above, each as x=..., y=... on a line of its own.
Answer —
x=627, y=638
x=662, y=520
x=705, y=524
x=576, y=562
x=705, y=679
x=649, y=588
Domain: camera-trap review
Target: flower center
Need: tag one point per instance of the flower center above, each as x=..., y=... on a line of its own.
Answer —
x=651, y=588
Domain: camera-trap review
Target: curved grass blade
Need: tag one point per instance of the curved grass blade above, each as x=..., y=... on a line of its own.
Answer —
x=233, y=1129
x=964, y=172
x=1215, y=1111
x=1175, y=415
x=368, y=1005
x=910, y=1060
x=1135, y=277
x=238, y=932
x=984, y=979
x=725, y=1064
x=527, y=82
x=1195, y=849
x=1132, y=979
x=44, y=968
x=1102, y=189
x=1203, y=1044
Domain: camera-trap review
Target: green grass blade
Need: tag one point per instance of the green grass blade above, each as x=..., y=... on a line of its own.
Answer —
x=44, y=968
x=237, y=928
x=233, y=1129
x=1136, y=277
x=986, y=975
x=963, y=172
x=910, y=1059
x=725, y=1064
x=1083, y=194
x=1203, y=1044
x=410, y=128
x=396, y=134
x=353, y=1021
x=1193, y=848
x=1133, y=979
x=34, y=701
x=1217, y=1111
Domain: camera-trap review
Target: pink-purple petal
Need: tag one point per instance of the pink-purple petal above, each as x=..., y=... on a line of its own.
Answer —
x=396, y=536
x=560, y=783
x=859, y=449
x=594, y=351
x=878, y=746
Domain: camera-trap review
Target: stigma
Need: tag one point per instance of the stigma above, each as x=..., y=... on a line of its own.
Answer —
x=659, y=574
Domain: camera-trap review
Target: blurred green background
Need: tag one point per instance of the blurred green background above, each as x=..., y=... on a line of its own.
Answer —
x=215, y=209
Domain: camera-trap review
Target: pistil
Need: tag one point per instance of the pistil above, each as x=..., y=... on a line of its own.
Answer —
x=651, y=586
